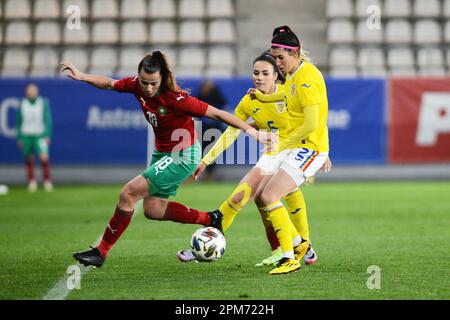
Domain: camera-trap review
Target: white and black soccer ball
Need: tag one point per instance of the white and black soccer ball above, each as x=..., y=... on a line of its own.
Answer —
x=208, y=244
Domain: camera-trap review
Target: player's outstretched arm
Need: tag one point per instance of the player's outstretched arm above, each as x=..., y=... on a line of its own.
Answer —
x=100, y=82
x=231, y=120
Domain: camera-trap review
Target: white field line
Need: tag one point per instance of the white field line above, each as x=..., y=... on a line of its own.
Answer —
x=61, y=289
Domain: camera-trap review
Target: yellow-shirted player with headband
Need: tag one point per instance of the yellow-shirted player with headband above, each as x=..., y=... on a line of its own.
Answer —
x=305, y=150
x=270, y=116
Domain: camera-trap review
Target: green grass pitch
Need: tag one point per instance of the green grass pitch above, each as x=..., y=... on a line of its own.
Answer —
x=403, y=228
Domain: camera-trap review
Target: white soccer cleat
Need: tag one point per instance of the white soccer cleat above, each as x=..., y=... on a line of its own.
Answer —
x=32, y=186
x=186, y=255
x=48, y=186
x=310, y=257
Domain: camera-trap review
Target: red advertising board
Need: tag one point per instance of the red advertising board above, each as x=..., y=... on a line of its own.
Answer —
x=419, y=120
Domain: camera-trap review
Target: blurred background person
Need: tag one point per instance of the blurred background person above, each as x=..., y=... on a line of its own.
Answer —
x=34, y=128
x=211, y=94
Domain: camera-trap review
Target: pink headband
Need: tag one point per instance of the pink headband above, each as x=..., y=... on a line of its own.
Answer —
x=283, y=46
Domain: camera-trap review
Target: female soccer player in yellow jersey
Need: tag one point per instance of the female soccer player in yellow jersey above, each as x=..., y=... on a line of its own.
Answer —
x=268, y=116
x=304, y=151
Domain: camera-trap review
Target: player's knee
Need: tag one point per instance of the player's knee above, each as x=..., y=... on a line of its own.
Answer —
x=266, y=197
x=127, y=195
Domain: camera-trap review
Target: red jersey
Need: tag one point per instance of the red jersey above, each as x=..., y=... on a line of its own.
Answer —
x=167, y=112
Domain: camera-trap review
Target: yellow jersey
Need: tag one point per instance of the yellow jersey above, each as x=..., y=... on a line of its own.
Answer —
x=270, y=116
x=306, y=87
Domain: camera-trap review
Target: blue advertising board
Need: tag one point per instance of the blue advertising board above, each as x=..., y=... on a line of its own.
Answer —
x=92, y=126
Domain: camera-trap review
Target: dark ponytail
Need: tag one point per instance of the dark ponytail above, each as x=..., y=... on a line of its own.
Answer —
x=267, y=57
x=157, y=62
x=284, y=37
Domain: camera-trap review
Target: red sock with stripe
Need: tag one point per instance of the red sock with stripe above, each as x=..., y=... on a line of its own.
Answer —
x=117, y=225
x=180, y=213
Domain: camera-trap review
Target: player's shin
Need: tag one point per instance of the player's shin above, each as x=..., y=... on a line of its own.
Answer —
x=282, y=224
x=296, y=206
x=231, y=207
x=178, y=212
x=116, y=226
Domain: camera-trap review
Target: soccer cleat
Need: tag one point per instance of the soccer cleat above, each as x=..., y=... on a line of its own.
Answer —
x=310, y=257
x=32, y=186
x=48, y=186
x=286, y=265
x=90, y=257
x=216, y=220
x=301, y=249
x=276, y=256
x=186, y=255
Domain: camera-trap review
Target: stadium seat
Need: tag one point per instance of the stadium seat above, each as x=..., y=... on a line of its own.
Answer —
x=77, y=56
x=427, y=31
x=402, y=72
x=432, y=71
x=221, y=31
x=105, y=32
x=191, y=9
x=371, y=58
x=340, y=31
x=47, y=32
x=343, y=72
x=129, y=59
x=430, y=56
x=219, y=72
x=373, y=72
x=400, y=57
x=427, y=8
x=397, y=8
x=192, y=31
x=342, y=57
x=103, y=61
x=219, y=9
x=17, y=9
x=81, y=4
x=398, y=31
x=133, y=9
x=339, y=8
x=191, y=61
x=161, y=9
x=18, y=32
x=133, y=31
x=77, y=36
x=163, y=32
x=446, y=8
x=368, y=35
x=1, y=33
x=363, y=5
x=448, y=58
x=447, y=32
x=44, y=62
x=221, y=56
x=104, y=9
x=15, y=62
x=46, y=9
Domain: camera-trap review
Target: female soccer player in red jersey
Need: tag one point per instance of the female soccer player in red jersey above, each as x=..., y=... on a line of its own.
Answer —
x=169, y=110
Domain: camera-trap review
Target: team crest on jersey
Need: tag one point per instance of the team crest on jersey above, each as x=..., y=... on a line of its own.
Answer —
x=162, y=111
x=293, y=90
x=280, y=107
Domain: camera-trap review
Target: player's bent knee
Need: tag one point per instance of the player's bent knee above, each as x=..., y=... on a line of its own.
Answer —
x=242, y=194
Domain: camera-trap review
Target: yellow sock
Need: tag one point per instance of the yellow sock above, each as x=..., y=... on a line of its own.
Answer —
x=230, y=209
x=296, y=205
x=284, y=229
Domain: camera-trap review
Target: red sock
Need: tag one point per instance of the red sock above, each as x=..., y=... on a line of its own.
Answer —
x=46, y=170
x=270, y=232
x=29, y=164
x=272, y=237
x=180, y=213
x=117, y=225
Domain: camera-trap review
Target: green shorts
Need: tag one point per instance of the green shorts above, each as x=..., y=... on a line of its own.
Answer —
x=34, y=144
x=168, y=170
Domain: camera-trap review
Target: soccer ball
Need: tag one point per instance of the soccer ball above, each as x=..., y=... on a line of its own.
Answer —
x=208, y=244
